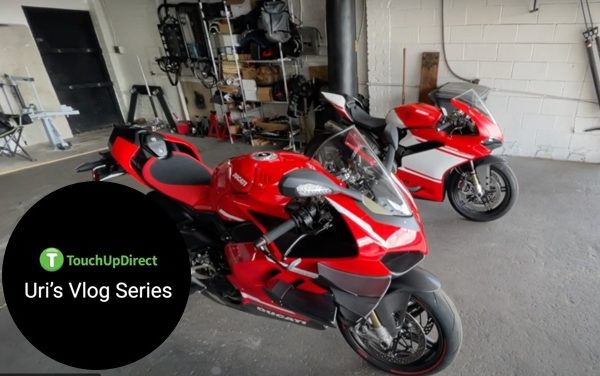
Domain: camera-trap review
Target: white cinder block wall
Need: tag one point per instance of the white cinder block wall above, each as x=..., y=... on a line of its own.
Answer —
x=543, y=95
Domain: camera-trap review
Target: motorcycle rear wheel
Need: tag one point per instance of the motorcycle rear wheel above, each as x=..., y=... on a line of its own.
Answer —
x=431, y=320
x=500, y=198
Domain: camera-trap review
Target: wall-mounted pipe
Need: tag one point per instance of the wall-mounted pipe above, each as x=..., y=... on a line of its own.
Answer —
x=341, y=46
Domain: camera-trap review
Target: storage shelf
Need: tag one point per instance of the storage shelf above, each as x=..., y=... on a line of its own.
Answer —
x=220, y=42
x=274, y=61
x=267, y=102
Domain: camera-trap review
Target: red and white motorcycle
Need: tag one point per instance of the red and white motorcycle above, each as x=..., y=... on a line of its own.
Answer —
x=435, y=153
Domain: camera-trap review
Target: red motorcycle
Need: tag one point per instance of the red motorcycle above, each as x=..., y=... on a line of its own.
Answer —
x=435, y=153
x=276, y=234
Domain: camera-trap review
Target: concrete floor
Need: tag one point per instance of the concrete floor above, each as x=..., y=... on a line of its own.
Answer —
x=526, y=287
x=44, y=153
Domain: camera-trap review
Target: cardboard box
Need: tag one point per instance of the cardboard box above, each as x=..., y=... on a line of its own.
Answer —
x=271, y=127
x=319, y=72
x=223, y=26
x=259, y=142
x=229, y=56
x=229, y=69
x=265, y=94
x=249, y=73
x=230, y=89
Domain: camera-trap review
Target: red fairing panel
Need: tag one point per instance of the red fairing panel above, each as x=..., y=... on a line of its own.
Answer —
x=252, y=272
x=428, y=170
x=249, y=183
x=189, y=147
x=485, y=126
x=123, y=152
x=418, y=115
x=373, y=238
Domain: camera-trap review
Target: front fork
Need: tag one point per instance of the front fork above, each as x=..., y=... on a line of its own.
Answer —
x=475, y=180
x=383, y=335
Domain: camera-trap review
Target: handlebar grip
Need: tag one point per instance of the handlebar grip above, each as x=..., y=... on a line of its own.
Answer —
x=445, y=125
x=276, y=233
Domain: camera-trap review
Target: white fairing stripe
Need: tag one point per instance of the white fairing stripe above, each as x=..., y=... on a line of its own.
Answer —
x=419, y=175
x=265, y=303
x=457, y=153
x=447, y=149
x=297, y=270
x=230, y=216
x=432, y=163
x=336, y=99
x=362, y=224
x=410, y=140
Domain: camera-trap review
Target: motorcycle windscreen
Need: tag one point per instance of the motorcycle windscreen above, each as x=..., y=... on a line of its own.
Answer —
x=348, y=157
x=474, y=100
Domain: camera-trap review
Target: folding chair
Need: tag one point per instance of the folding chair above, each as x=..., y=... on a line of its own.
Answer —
x=11, y=136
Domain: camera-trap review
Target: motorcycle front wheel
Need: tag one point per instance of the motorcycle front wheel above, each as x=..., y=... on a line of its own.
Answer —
x=428, y=341
x=495, y=202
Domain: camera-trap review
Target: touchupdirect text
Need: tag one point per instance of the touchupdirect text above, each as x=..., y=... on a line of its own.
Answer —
x=111, y=261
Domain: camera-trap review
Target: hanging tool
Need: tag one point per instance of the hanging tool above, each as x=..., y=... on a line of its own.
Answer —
x=590, y=35
x=535, y=7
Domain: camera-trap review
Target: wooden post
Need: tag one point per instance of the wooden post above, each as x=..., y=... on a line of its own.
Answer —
x=429, y=73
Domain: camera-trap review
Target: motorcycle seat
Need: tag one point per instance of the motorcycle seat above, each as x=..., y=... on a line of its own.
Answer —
x=180, y=176
x=363, y=119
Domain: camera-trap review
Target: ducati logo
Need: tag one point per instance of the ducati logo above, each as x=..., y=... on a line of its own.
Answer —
x=280, y=316
x=239, y=179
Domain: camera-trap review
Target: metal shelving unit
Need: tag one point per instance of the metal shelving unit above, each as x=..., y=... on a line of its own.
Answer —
x=281, y=61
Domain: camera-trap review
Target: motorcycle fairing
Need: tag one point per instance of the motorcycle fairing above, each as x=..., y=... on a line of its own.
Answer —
x=182, y=175
x=291, y=289
x=428, y=169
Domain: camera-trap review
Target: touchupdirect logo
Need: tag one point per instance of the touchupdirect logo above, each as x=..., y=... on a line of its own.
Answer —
x=52, y=259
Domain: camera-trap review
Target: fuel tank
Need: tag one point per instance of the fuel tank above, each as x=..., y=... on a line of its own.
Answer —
x=414, y=115
x=249, y=184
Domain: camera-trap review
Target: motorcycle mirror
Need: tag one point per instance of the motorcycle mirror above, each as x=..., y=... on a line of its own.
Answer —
x=390, y=133
x=310, y=183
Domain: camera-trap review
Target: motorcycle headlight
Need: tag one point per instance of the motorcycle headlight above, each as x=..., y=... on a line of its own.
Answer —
x=491, y=143
x=311, y=190
x=400, y=263
x=156, y=145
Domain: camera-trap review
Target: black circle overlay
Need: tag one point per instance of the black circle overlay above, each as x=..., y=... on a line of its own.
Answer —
x=83, y=220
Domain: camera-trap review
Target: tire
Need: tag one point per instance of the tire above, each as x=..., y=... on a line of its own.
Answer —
x=448, y=328
x=501, y=174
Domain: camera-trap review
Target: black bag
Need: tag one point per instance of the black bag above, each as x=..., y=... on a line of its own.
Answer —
x=5, y=125
x=311, y=40
x=275, y=21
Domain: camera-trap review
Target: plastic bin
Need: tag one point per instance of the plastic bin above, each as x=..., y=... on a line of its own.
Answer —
x=183, y=127
x=442, y=95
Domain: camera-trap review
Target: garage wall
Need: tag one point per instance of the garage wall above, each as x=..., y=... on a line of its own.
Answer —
x=18, y=50
x=132, y=24
x=12, y=11
x=536, y=63
x=312, y=13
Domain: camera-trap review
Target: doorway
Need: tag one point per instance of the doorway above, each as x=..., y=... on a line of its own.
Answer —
x=73, y=59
